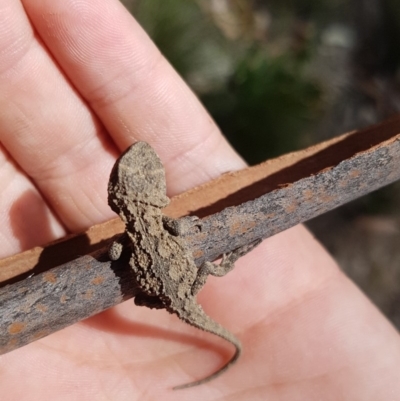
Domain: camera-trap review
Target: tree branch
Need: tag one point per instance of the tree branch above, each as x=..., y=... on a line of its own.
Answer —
x=236, y=209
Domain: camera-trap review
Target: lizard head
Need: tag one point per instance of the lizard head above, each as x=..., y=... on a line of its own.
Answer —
x=138, y=175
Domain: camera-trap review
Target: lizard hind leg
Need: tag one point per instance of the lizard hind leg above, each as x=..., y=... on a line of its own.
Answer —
x=197, y=318
x=226, y=265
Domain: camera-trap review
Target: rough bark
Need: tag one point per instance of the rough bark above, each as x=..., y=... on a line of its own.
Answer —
x=236, y=209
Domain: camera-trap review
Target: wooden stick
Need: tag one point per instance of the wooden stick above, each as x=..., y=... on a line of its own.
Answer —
x=236, y=208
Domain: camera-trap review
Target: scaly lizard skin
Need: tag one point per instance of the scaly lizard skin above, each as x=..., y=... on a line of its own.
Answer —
x=164, y=268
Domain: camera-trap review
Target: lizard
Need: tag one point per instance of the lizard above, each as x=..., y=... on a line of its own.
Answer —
x=165, y=271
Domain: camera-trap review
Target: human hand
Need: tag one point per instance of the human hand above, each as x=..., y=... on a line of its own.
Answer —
x=79, y=82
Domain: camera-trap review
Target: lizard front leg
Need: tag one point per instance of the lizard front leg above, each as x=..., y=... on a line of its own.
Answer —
x=117, y=246
x=180, y=227
x=226, y=265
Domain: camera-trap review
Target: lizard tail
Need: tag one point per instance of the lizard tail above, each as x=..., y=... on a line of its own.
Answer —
x=200, y=320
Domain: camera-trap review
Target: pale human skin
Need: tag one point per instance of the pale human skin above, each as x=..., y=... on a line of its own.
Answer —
x=86, y=85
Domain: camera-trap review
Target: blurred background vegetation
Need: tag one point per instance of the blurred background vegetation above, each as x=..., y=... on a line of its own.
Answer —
x=280, y=75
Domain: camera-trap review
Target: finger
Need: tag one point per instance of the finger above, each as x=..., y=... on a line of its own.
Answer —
x=48, y=129
x=132, y=88
x=25, y=220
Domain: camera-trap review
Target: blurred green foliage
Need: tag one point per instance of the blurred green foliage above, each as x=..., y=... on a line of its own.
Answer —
x=265, y=105
x=319, y=10
x=255, y=79
x=382, y=202
x=261, y=98
x=181, y=31
x=392, y=35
